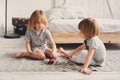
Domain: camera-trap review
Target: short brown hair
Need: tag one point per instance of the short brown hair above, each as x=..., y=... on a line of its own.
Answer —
x=89, y=27
x=38, y=16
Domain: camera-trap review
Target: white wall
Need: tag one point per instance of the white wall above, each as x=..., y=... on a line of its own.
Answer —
x=1, y=16
x=21, y=8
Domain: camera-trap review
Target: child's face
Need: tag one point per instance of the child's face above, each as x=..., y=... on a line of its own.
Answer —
x=82, y=35
x=39, y=26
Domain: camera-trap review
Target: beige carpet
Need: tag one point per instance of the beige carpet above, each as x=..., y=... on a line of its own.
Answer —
x=10, y=64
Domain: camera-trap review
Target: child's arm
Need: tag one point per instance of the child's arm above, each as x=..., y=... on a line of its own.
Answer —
x=78, y=49
x=69, y=55
x=62, y=51
x=52, y=43
x=28, y=48
x=87, y=61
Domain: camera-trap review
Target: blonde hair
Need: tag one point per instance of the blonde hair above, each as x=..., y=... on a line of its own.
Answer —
x=89, y=28
x=38, y=16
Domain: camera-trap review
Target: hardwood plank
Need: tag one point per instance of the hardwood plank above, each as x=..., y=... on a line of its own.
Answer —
x=66, y=38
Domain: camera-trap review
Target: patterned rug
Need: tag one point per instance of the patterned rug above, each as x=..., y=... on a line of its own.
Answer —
x=10, y=64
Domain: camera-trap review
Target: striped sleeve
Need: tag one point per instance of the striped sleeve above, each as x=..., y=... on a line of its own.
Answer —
x=48, y=35
x=27, y=35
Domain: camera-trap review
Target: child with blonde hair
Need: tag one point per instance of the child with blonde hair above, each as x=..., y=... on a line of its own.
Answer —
x=37, y=37
x=95, y=50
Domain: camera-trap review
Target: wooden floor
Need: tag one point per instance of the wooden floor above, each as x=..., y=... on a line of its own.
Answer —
x=58, y=76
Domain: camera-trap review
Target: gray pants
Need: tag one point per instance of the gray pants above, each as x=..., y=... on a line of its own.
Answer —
x=80, y=57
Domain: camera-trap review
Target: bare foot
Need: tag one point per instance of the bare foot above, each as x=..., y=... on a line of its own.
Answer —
x=60, y=50
x=19, y=55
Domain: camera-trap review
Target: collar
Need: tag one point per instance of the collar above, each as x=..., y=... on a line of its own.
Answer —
x=41, y=31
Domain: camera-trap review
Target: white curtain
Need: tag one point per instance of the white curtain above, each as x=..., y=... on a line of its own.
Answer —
x=115, y=8
x=95, y=8
x=1, y=17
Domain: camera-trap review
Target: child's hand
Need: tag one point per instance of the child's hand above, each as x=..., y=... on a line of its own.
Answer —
x=86, y=71
x=29, y=52
x=62, y=51
x=69, y=55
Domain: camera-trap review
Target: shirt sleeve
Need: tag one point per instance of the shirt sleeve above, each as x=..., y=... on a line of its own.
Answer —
x=48, y=35
x=93, y=44
x=27, y=35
